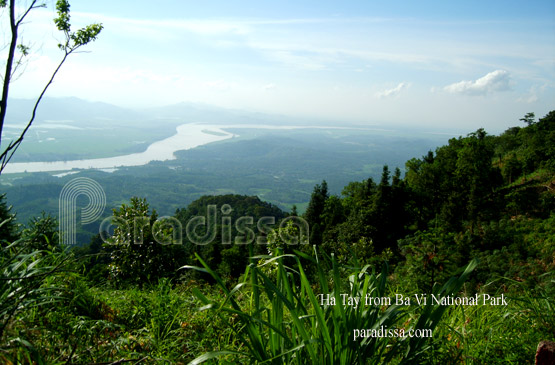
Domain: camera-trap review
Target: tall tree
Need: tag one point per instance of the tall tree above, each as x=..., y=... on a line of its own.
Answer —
x=17, y=12
x=314, y=211
x=528, y=118
x=136, y=252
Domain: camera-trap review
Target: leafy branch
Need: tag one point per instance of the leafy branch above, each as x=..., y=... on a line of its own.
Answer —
x=72, y=42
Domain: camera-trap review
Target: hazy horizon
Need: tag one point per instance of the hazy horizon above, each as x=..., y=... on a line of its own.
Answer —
x=465, y=65
x=180, y=113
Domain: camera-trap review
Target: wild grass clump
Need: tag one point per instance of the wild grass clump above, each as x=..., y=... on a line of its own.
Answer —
x=499, y=334
x=22, y=277
x=286, y=322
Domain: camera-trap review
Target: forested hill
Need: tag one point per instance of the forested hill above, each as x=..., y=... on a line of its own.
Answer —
x=479, y=196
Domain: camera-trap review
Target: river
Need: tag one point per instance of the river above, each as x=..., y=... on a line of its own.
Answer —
x=188, y=136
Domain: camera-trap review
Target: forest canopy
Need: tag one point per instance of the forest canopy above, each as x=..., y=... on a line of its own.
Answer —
x=482, y=202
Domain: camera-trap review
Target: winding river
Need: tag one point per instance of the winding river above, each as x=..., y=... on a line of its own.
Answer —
x=188, y=136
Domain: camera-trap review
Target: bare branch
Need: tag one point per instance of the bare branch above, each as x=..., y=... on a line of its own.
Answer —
x=31, y=7
x=14, y=27
x=9, y=65
x=6, y=156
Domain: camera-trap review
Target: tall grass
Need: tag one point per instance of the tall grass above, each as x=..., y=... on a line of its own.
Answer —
x=284, y=322
x=21, y=276
x=500, y=334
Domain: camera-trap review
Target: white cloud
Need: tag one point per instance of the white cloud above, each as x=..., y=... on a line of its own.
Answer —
x=394, y=91
x=498, y=80
x=531, y=98
x=533, y=94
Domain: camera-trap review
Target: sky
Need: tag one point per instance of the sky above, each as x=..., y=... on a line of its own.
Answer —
x=437, y=64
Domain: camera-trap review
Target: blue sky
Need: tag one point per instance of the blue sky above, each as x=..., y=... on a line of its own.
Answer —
x=437, y=64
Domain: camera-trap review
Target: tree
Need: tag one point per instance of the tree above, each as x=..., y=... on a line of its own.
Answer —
x=430, y=257
x=73, y=40
x=233, y=227
x=136, y=252
x=314, y=211
x=528, y=119
x=42, y=233
x=9, y=231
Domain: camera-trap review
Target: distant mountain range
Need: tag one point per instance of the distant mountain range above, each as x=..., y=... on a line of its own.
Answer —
x=82, y=111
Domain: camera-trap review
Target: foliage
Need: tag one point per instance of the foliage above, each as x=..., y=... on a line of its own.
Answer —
x=141, y=249
x=233, y=225
x=268, y=168
x=497, y=334
x=90, y=325
x=42, y=233
x=428, y=258
x=479, y=197
x=9, y=230
x=288, y=323
x=22, y=275
x=315, y=211
x=73, y=41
